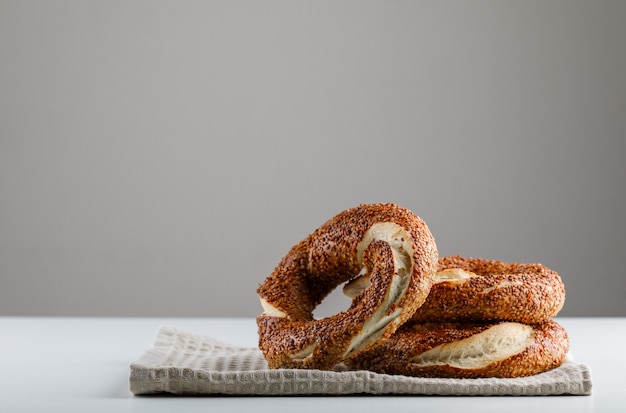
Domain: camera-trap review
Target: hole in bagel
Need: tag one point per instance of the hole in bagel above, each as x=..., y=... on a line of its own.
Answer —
x=334, y=303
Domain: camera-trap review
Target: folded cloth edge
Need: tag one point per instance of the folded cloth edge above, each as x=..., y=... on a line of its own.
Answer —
x=186, y=363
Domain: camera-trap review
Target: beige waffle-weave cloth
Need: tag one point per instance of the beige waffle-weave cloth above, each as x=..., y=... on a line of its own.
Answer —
x=185, y=363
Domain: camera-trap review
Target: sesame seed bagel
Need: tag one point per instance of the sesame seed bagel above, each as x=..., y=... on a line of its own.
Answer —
x=459, y=350
x=389, y=244
x=476, y=289
x=492, y=290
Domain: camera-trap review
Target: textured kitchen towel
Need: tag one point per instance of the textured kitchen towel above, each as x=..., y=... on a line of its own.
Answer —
x=184, y=363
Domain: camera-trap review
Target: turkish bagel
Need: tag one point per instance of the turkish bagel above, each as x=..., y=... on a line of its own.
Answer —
x=465, y=350
x=476, y=289
x=389, y=244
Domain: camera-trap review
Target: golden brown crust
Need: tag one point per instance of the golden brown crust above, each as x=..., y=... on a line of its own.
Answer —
x=396, y=355
x=327, y=258
x=525, y=293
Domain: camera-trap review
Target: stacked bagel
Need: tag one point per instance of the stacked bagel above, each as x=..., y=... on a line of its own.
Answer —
x=412, y=313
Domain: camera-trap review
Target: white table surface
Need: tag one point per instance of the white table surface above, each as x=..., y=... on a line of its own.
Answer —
x=82, y=365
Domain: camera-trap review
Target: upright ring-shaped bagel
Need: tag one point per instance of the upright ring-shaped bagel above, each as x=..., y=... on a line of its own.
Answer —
x=389, y=244
x=476, y=289
x=466, y=350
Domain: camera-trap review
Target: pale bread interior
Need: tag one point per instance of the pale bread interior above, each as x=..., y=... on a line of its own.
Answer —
x=450, y=275
x=400, y=242
x=502, y=285
x=355, y=286
x=453, y=275
x=270, y=310
x=480, y=350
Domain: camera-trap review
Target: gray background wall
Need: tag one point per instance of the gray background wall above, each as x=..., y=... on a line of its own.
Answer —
x=159, y=158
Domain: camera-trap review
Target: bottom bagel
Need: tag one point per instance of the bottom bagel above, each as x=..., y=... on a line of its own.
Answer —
x=456, y=350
